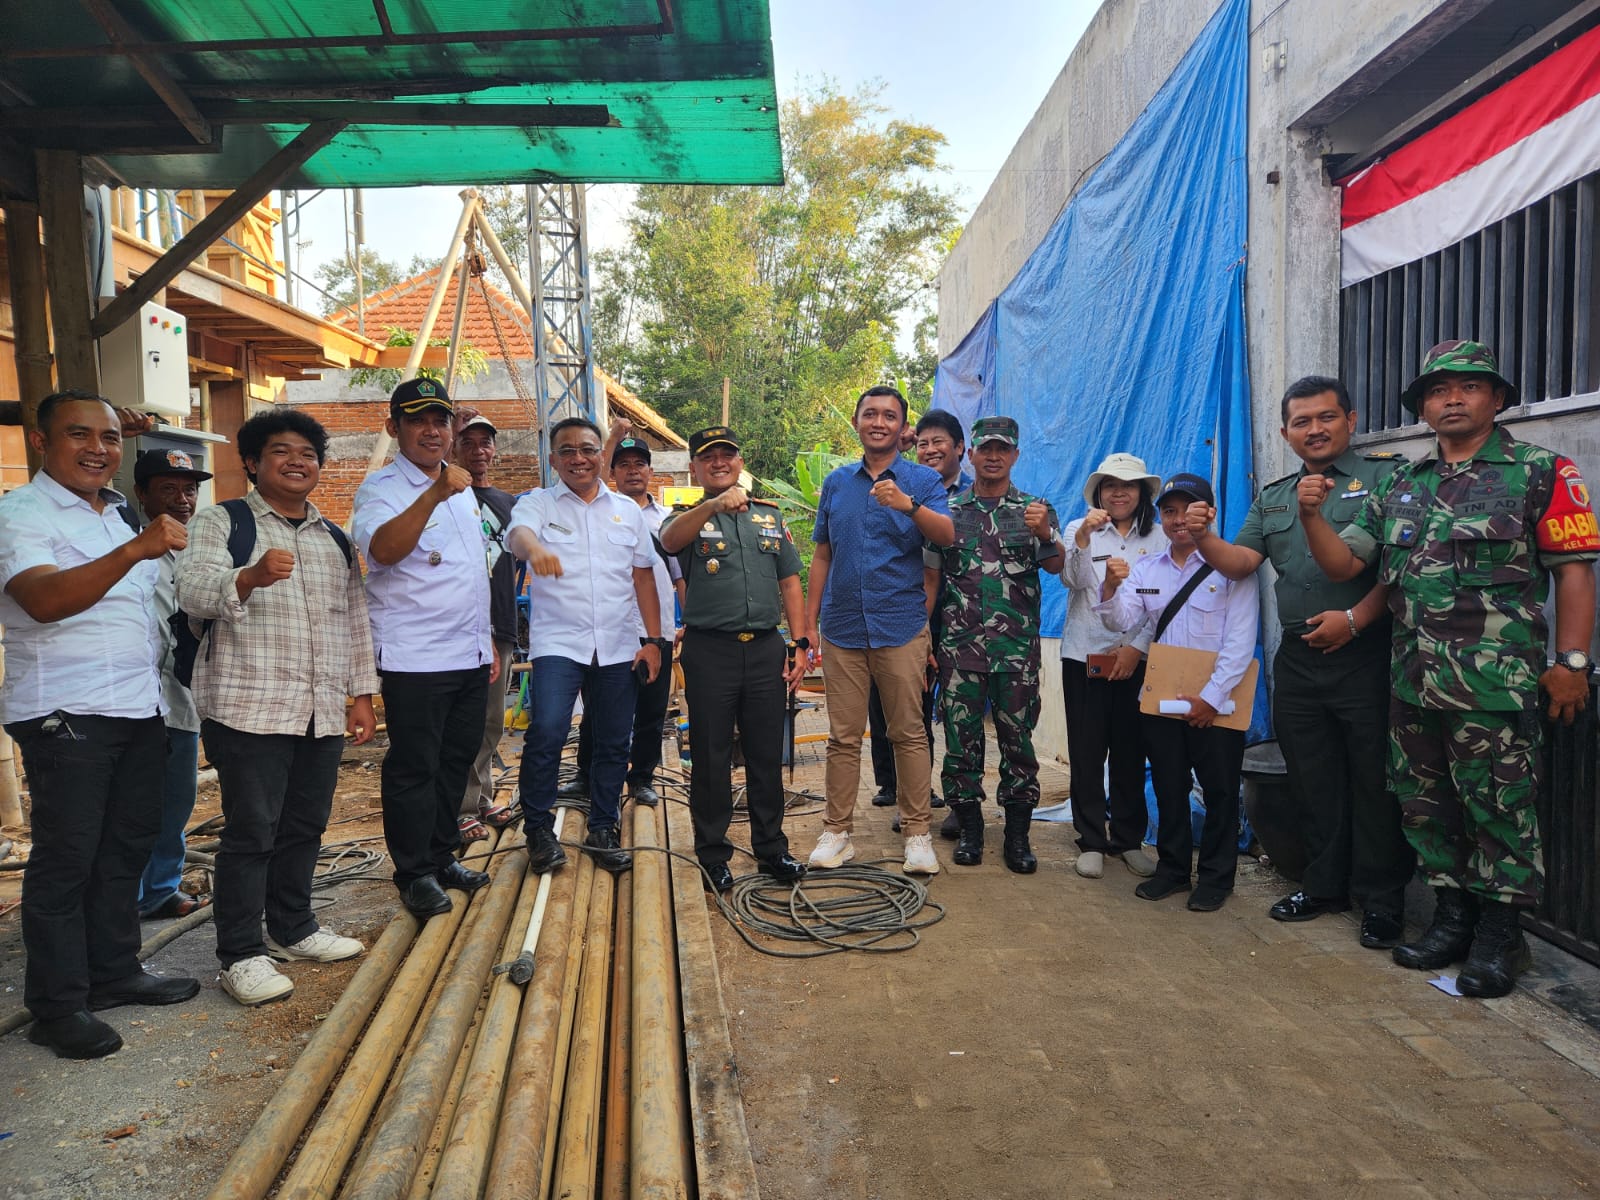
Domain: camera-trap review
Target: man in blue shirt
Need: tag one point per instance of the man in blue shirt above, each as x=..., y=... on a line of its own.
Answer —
x=870, y=597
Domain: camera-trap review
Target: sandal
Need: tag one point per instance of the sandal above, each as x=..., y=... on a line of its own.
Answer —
x=497, y=815
x=472, y=829
x=179, y=904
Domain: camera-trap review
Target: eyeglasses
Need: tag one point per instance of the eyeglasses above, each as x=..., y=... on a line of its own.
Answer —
x=568, y=453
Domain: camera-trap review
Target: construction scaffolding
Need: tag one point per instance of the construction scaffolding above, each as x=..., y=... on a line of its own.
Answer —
x=558, y=259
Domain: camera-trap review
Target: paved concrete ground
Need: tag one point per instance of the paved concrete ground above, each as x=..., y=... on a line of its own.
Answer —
x=1057, y=1037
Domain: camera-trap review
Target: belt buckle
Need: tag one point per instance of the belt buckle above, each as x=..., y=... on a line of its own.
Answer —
x=747, y=636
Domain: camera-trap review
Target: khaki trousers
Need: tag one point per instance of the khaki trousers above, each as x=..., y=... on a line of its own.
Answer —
x=900, y=673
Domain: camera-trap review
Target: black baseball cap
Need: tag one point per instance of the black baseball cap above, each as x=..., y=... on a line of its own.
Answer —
x=717, y=435
x=419, y=395
x=151, y=463
x=1188, y=485
x=630, y=445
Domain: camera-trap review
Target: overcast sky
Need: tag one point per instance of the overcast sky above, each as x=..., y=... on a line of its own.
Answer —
x=974, y=72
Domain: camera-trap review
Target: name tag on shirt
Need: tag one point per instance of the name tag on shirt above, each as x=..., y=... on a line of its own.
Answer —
x=559, y=528
x=1100, y=558
x=1147, y=591
x=1277, y=508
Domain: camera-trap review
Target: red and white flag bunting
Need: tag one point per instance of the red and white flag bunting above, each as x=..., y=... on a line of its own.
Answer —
x=1526, y=139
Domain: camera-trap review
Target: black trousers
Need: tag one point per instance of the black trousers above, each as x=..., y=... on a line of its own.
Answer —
x=96, y=784
x=1102, y=723
x=1214, y=755
x=649, y=715
x=730, y=683
x=1331, y=713
x=881, y=747
x=277, y=792
x=435, y=721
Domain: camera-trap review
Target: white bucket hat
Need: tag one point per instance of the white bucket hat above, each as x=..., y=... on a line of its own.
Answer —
x=1129, y=468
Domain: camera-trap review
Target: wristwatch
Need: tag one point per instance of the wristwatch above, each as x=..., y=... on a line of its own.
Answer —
x=1576, y=661
x=915, y=504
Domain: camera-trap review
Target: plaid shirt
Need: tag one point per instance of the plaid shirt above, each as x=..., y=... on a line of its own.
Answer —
x=292, y=651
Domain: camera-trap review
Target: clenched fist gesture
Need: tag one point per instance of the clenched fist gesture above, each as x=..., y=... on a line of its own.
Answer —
x=270, y=568
x=1116, y=571
x=1098, y=518
x=887, y=493
x=1037, y=518
x=162, y=534
x=1197, y=518
x=1311, y=492
x=733, y=500
x=452, y=480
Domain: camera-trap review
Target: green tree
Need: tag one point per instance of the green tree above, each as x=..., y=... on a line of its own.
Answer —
x=337, y=278
x=794, y=294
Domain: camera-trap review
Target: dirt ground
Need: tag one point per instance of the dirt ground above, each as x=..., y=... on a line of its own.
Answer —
x=1052, y=1037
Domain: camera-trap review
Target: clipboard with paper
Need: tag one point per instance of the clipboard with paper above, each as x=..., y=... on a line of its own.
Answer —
x=1173, y=670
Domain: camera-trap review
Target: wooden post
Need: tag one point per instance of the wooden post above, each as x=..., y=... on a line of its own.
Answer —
x=724, y=399
x=31, y=325
x=66, y=268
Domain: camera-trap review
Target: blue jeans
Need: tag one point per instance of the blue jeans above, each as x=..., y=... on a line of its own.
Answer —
x=164, y=871
x=553, y=686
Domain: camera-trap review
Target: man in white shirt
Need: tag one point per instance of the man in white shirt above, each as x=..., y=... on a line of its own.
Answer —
x=1216, y=614
x=417, y=522
x=631, y=473
x=82, y=698
x=591, y=556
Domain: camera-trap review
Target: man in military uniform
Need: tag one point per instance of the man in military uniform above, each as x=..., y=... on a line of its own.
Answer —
x=1466, y=538
x=742, y=572
x=989, y=641
x=1331, y=672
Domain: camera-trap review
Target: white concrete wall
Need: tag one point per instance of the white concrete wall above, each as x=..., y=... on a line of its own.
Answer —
x=1334, y=53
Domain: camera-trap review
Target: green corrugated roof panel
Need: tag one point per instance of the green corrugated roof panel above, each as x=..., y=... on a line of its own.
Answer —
x=696, y=104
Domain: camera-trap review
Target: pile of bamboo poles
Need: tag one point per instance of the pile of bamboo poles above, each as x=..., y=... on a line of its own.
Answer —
x=436, y=1076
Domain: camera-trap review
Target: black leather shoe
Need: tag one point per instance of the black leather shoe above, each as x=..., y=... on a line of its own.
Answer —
x=1499, y=953
x=1015, y=850
x=783, y=867
x=545, y=854
x=1380, y=931
x=76, y=1035
x=576, y=788
x=936, y=801
x=1159, y=887
x=424, y=898
x=969, y=849
x=1301, y=907
x=1206, y=898
x=605, y=847
x=894, y=825
x=718, y=878
x=460, y=877
x=951, y=826
x=142, y=988
x=883, y=798
x=645, y=795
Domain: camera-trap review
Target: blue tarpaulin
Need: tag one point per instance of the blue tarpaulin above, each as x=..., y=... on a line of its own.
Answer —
x=1124, y=330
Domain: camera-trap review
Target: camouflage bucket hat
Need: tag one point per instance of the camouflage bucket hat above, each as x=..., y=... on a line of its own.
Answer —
x=1464, y=358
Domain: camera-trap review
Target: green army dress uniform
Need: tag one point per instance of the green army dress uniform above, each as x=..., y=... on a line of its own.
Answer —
x=733, y=662
x=988, y=647
x=1330, y=711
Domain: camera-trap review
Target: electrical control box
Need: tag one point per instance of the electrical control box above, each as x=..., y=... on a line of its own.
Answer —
x=144, y=362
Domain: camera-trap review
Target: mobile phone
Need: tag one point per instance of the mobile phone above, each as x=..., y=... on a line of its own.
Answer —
x=641, y=672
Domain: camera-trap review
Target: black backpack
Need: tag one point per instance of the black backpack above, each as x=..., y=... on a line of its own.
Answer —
x=241, y=543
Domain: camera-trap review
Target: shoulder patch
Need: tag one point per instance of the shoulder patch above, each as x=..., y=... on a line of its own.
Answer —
x=1568, y=524
x=1290, y=478
x=768, y=503
x=1385, y=455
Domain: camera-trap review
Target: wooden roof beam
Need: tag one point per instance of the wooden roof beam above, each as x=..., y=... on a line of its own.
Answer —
x=150, y=68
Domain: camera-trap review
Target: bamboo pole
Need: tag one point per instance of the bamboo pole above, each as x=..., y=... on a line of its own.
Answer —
x=464, y=1161
x=327, y=1149
x=10, y=797
x=516, y=1165
x=396, y=1146
x=619, y=1070
x=262, y=1153
x=469, y=206
x=578, y=1147
x=569, y=1007
x=659, y=1169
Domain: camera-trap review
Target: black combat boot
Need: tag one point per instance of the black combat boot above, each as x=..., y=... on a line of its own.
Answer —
x=1449, y=938
x=969, y=849
x=1499, y=952
x=1018, y=854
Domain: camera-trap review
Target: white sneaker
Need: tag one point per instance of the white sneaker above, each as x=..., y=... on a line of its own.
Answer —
x=920, y=858
x=1139, y=863
x=1091, y=864
x=833, y=850
x=253, y=981
x=320, y=946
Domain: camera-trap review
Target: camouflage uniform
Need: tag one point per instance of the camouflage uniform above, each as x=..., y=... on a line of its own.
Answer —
x=989, y=645
x=1466, y=550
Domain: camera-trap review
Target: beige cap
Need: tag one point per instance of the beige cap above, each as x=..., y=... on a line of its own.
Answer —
x=1128, y=467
